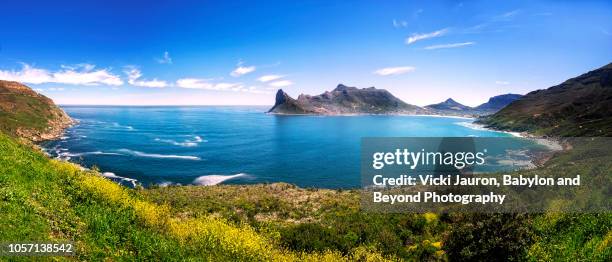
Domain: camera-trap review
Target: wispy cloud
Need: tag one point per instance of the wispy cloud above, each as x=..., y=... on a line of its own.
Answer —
x=509, y=14
x=209, y=84
x=399, y=23
x=417, y=13
x=281, y=83
x=81, y=74
x=200, y=83
x=502, y=83
x=134, y=76
x=394, y=70
x=166, y=59
x=496, y=23
x=453, y=45
x=242, y=70
x=268, y=78
x=418, y=37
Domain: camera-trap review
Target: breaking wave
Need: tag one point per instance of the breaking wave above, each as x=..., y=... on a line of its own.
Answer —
x=120, y=179
x=186, y=143
x=215, y=179
x=143, y=154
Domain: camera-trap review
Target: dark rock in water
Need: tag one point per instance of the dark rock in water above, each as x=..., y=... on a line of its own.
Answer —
x=344, y=100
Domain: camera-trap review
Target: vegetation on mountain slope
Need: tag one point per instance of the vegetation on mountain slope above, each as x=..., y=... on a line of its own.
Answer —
x=26, y=113
x=581, y=106
x=49, y=200
x=322, y=219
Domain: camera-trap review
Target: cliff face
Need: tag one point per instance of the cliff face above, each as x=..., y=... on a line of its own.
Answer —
x=344, y=100
x=581, y=106
x=28, y=114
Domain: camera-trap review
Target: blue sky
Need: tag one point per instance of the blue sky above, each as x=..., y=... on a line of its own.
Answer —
x=240, y=52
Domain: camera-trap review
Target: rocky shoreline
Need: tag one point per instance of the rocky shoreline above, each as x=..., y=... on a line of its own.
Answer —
x=54, y=130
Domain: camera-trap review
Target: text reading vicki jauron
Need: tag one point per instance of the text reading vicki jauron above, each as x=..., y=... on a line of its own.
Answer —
x=465, y=174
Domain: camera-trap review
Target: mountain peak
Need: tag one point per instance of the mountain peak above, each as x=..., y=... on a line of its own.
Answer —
x=450, y=101
x=342, y=88
x=449, y=105
x=344, y=100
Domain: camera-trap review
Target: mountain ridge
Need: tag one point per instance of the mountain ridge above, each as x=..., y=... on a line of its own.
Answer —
x=28, y=114
x=579, y=106
x=344, y=100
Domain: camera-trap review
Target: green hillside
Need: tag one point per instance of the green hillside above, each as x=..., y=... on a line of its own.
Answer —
x=49, y=200
x=25, y=113
x=581, y=106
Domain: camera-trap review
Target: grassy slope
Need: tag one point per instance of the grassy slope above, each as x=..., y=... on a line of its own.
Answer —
x=23, y=112
x=43, y=199
x=581, y=106
x=318, y=219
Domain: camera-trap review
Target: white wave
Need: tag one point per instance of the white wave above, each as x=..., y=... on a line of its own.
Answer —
x=215, y=179
x=479, y=127
x=183, y=144
x=167, y=183
x=112, y=175
x=122, y=126
x=90, y=153
x=198, y=139
x=142, y=154
x=64, y=137
x=186, y=143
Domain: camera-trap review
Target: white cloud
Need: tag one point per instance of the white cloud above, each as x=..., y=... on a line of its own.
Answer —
x=268, y=78
x=208, y=84
x=502, y=83
x=399, y=23
x=199, y=83
x=82, y=74
x=417, y=37
x=509, y=14
x=242, y=70
x=27, y=74
x=134, y=75
x=281, y=83
x=394, y=70
x=166, y=59
x=454, y=45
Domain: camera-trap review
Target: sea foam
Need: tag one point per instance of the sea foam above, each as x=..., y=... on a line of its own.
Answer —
x=215, y=179
x=143, y=154
x=114, y=177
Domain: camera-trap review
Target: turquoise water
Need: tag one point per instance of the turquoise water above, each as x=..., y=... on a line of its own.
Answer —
x=209, y=145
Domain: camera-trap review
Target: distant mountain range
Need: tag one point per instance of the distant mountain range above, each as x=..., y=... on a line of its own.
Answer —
x=344, y=100
x=351, y=100
x=581, y=106
x=452, y=107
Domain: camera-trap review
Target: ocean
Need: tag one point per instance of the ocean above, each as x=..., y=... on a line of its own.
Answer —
x=208, y=145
